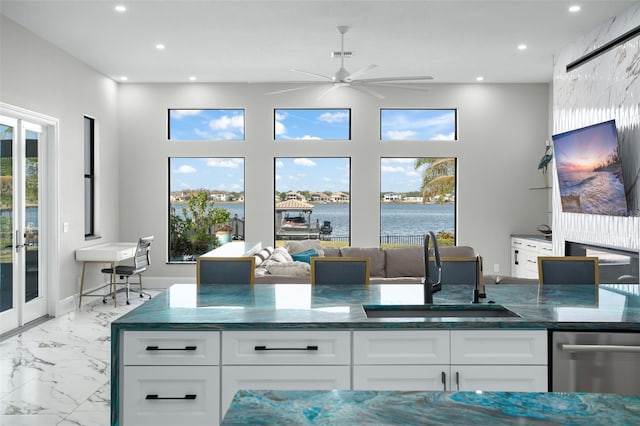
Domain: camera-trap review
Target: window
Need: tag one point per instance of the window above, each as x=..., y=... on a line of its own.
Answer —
x=312, y=124
x=89, y=177
x=418, y=195
x=206, y=124
x=313, y=200
x=206, y=205
x=418, y=124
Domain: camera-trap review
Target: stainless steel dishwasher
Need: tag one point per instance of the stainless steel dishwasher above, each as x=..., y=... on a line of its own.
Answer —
x=603, y=362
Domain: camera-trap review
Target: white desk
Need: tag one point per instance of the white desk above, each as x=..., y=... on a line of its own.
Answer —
x=110, y=253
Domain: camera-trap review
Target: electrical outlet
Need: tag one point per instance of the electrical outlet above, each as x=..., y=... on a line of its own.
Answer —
x=496, y=268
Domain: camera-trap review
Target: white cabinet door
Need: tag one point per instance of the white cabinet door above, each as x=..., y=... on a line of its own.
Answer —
x=401, y=347
x=499, y=378
x=499, y=347
x=286, y=347
x=282, y=377
x=401, y=377
x=170, y=395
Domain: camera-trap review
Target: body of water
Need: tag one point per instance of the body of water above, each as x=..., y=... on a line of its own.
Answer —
x=592, y=192
x=395, y=219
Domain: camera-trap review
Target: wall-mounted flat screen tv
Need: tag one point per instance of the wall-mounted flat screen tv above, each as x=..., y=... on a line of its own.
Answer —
x=589, y=170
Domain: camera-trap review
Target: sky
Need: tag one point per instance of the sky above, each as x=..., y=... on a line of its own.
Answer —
x=583, y=149
x=298, y=174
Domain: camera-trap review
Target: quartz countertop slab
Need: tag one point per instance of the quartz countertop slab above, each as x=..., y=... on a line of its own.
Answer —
x=436, y=408
x=303, y=306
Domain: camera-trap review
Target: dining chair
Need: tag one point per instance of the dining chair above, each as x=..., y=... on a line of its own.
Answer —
x=225, y=270
x=568, y=270
x=340, y=270
x=141, y=262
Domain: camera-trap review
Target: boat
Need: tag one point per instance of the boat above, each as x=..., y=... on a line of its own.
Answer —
x=293, y=222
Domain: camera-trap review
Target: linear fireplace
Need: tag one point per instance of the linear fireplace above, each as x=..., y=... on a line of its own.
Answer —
x=616, y=265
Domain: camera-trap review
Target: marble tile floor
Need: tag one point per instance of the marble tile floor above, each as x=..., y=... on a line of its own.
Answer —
x=58, y=372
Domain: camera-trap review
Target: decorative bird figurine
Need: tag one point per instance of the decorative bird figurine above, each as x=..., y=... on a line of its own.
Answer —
x=546, y=159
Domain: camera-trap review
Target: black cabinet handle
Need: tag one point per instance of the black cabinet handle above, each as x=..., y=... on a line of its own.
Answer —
x=157, y=348
x=307, y=348
x=156, y=397
x=444, y=381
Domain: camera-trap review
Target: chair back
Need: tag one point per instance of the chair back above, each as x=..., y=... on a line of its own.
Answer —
x=459, y=270
x=142, y=258
x=226, y=270
x=568, y=270
x=340, y=270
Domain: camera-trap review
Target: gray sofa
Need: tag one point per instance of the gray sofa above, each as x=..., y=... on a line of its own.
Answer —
x=403, y=265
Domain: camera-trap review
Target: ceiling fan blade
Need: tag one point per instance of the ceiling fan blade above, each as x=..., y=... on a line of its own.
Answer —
x=329, y=90
x=313, y=74
x=394, y=79
x=364, y=70
x=277, y=92
x=402, y=86
x=368, y=91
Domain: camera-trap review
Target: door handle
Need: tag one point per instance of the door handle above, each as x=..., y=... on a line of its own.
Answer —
x=18, y=246
x=600, y=348
x=444, y=381
x=458, y=381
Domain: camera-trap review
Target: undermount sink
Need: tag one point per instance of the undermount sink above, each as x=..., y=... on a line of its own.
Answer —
x=438, y=311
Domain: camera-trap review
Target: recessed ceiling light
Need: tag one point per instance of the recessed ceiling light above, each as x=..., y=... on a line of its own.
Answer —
x=575, y=8
x=160, y=46
x=120, y=8
x=479, y=78
x=522, y=46
x=124, y=78
x=192, y=78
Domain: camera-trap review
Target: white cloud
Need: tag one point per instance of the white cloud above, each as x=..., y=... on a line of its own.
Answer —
x=228, y=136
x=226, y=122
x=231, y=163
x=185, y=169
x=308, y=138
x=181, y=113
x=400, y=134
x=304, y=162
x=281, y=129
x=336, y=117
x=392, y=169
x=442, y=137
x=279, y=164
x=281, y=116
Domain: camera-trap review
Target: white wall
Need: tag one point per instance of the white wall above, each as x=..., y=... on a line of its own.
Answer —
x=502, y=133
x=606, y=87
x=38, y=77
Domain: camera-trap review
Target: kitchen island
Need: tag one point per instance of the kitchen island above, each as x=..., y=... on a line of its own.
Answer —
x=433, y=408
x=242, y=337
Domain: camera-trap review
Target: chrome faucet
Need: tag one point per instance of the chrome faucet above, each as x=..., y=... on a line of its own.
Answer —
x=429, y=286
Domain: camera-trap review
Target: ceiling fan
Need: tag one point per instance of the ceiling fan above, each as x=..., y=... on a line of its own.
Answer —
x=344, y=78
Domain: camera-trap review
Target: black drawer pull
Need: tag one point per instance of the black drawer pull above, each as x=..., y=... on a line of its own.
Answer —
x=156, y=397
x=307, y=348
x=157, y=348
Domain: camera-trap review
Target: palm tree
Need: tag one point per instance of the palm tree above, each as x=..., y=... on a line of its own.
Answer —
x=438, y=177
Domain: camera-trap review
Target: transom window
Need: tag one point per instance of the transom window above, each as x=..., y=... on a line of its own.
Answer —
x=312, y=124
x=206, y=124
x=418, y=125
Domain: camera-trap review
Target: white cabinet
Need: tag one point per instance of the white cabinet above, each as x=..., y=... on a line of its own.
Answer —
x=499, y=360
x=170, y=378
x=524, y=256
x=284, y=360
x=492, y=360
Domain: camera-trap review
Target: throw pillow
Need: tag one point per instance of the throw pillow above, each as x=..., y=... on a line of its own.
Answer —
x=295, y=269
x=281, y=255
x=305, y=256
x=295, y=247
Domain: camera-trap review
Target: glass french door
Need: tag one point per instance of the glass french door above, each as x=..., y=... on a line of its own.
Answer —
x=22, y=293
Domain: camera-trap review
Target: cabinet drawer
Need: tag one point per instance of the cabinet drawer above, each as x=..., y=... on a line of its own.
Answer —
x=171, y=348
x=296, y=377
x=401, y=347
x=405, y=377
x=286, y=347
x=499, y=378
x=499, y=347
x=172, y=395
